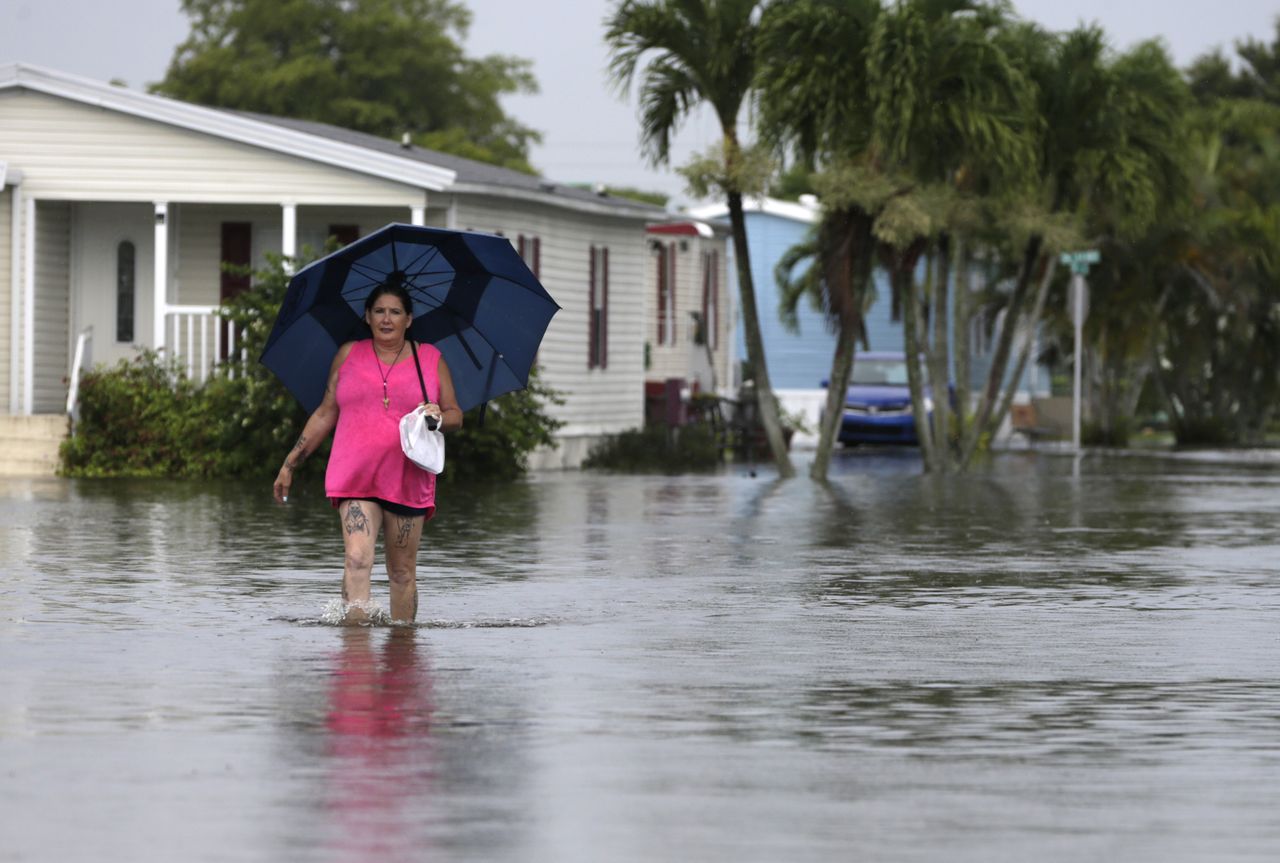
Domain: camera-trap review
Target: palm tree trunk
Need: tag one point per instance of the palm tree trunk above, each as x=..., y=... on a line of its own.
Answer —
x=847, y=268
x=1042, y=293
x=904, y=286
x=962, y=321
x=938, y=355
x=767, y=404
x=999, y=362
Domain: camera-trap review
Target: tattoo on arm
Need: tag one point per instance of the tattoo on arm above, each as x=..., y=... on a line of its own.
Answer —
x=356, y=521
x=298, y=454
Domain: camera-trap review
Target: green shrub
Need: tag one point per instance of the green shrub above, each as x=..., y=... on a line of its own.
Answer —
x=514, y=426
x=657, y=448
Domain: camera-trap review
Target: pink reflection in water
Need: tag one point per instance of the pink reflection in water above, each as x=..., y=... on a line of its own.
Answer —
x=379, y=745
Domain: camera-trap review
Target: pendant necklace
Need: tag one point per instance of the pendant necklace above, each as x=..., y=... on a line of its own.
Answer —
x=386, y=400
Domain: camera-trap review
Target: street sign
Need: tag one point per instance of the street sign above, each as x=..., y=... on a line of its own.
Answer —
x=1079, y=261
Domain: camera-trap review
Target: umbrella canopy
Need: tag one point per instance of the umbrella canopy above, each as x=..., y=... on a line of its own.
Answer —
x=473, y=298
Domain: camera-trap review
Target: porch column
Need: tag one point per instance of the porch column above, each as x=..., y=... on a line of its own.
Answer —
x=289, y=233
x=417, y=215
x=160, y=286
x=29, y=306
x=15, y=294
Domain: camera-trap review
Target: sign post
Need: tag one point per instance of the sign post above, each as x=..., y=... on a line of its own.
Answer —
x=1079, y=262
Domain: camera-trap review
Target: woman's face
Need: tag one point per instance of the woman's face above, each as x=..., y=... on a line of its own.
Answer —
x=388, y=318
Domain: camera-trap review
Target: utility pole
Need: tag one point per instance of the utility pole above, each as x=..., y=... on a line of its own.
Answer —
x=1079, y=263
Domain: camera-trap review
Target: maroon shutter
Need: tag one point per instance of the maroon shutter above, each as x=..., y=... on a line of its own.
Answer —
x=662, y=295
x=713, y=335
x=604, y=308
x=591, y=310
x=537, y=258
x=674, y=311
x=237, y=249
x=344, y=234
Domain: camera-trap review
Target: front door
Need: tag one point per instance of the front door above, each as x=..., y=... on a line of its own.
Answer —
x=112, y=286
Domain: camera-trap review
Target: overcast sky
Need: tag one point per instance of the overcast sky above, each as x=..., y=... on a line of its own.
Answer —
x=589, y=133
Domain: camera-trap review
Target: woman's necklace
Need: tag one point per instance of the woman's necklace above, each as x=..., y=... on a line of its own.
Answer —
x=386, y=400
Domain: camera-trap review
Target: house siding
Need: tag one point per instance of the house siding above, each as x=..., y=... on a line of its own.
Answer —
x=71, y=151
x=601, y=400
x=52, y=306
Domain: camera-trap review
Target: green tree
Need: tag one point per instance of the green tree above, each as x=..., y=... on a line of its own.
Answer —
x=385, y=67
x=909, y=111
x=695, y=52
x=1110, y=159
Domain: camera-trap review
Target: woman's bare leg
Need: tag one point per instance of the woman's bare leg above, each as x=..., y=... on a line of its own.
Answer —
x=401, y=534
x=360, y=522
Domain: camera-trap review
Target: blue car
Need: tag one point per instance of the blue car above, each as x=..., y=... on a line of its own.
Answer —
x=877, y=407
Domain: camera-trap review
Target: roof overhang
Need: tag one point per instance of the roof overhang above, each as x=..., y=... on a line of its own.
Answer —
x=550, y=197
x=682, y=229
x=226, y=125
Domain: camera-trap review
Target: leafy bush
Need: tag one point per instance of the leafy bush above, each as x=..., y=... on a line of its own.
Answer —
x=657, y=448
x=514, y=426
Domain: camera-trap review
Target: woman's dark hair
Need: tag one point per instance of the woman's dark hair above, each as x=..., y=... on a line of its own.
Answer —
x=394, y=288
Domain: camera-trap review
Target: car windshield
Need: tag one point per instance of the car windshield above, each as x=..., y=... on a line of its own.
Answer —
x=891, y=373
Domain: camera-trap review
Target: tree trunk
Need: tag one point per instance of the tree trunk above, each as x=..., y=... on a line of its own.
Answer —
x=962, y=320
x=904, y=285
x=938, y=354
x=768, y=405
x=1000, y=361
x=997, y=417
x=847, y=264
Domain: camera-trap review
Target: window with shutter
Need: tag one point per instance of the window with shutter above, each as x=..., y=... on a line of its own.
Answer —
x=598, y=308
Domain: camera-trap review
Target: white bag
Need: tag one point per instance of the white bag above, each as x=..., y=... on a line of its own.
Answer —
x=422, y=445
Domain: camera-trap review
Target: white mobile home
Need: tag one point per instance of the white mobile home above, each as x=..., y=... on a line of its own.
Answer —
x=118, y=209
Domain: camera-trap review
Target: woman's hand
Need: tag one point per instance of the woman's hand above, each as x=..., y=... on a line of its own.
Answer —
x=432, y=411
x=284, y=479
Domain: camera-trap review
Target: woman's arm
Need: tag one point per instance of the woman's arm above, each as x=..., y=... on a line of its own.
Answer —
x=319, y=425
x=450, y=414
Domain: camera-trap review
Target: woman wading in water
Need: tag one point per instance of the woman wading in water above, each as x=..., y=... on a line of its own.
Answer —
x=372, y=384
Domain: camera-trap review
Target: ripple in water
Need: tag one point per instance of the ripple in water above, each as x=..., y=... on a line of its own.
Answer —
x=335, y=614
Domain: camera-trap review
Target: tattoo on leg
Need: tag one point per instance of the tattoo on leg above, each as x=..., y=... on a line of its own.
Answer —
x=356, y=521
x=403, y=531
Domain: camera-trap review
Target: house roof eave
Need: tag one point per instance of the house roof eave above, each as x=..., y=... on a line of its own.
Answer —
x=226, y=125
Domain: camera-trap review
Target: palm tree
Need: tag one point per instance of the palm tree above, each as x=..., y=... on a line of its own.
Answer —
x=821, y=110
x=911, y=109
x=1109, y=157
x=694, y=52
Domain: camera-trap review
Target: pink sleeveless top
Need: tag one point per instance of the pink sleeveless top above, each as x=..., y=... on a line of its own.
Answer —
x=366, y=460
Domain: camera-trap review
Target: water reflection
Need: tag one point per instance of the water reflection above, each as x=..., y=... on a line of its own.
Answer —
x=379, y=769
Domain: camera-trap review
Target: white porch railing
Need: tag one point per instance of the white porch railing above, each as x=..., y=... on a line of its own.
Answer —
x=195, y=336
x=83, y=357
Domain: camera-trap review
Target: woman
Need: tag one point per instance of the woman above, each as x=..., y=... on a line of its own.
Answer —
x=372, y=384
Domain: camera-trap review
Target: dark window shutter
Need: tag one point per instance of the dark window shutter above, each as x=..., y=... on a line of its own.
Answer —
x=674, y=311
x=604, y=309
x=662, y=295
x=591, y=309
x=537, y=258
x=344, y=234
x=237, y=249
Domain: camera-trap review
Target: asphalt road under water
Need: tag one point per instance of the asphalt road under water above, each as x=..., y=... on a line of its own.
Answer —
x=1039, y=661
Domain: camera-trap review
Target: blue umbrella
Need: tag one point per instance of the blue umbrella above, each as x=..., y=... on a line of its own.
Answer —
x=473, y=298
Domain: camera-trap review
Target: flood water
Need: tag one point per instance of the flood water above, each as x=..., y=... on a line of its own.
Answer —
x=1042, y=661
